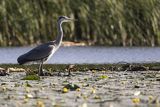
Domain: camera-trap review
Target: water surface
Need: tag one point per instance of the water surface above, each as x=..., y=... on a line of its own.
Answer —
x=89, y=55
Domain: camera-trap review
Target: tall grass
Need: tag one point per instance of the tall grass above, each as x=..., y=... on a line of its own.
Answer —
x=102, y=22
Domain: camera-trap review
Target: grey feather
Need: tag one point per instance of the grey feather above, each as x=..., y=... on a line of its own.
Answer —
x=39, y=53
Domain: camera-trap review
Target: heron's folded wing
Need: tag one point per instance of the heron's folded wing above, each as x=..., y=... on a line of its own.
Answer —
x=38, y=53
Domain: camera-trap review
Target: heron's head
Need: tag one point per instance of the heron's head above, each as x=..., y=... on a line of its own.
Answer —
x=65, y=19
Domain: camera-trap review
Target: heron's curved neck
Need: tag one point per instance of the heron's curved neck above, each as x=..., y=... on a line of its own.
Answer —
x=60, y=34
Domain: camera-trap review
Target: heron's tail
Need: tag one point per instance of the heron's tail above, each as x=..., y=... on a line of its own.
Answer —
x=21, y=60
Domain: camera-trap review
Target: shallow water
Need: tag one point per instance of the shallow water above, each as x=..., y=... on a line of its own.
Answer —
x=118, y=89
x=89, y=55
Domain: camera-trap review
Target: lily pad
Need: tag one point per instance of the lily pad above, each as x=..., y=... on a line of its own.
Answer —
x=102, y=77
x=31, y=77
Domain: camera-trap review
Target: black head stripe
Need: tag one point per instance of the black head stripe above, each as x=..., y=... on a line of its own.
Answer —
x=61, y=17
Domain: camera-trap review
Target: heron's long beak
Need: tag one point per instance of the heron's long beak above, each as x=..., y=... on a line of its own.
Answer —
x=71, y=19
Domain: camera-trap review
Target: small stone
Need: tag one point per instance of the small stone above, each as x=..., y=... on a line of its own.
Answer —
x=136, y=86
x=158, y=79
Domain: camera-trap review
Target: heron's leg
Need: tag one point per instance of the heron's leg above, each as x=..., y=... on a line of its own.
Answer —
x=69, y=73
x=40, y=72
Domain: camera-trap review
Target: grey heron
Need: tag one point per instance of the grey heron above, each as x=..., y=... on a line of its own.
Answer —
x=44, y=51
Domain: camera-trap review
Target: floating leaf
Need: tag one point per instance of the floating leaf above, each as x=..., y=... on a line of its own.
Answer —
x=86, y=79
x=28, y=96
x=31, y=77
x=4, y=88
x=78, y=89
x=65, y=90
x=16, y=85
x=83, y=105
x=150, y=98
x=137, y=93
x=27, y=89
x=93, y=91
x=136, y=100
x=25, y=100
x=103, y=77
x=27, y=84
x=97, y=97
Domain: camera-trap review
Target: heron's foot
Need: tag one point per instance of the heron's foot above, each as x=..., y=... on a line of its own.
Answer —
x=44, y=73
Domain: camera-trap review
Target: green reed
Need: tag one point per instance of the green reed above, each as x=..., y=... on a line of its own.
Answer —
x=100, y=22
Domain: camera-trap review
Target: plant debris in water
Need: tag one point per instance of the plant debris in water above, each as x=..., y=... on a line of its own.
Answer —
x=71, y=87
x=3, y=72
x=31, y=77
x=113, y=88
x=103, y=77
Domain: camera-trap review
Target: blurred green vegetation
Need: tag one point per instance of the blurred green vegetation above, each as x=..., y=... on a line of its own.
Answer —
x=101, y=22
